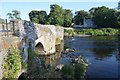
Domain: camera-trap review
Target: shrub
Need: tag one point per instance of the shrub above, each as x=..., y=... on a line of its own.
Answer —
x=67, y=71
x=79, y=70
x=12, y=65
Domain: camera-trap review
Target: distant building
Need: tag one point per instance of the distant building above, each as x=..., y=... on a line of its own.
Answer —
x=87, y=23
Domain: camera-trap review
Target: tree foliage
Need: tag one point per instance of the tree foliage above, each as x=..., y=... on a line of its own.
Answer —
x=79, y=16
x=38, y=16
x=57, y=16
x=15, y=14
x=103, y=16
x=67, y=17
x=118, y=18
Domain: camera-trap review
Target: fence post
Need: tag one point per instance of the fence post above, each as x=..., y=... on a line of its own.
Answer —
x=4, y=33
x=7, y=28
x=13, y=27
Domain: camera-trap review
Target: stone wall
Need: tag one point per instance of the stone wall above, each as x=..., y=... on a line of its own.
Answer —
x=46, y=35
x=5, y=44
x=28, y=35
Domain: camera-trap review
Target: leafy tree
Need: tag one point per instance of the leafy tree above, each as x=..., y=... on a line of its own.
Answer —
x=67, y=17
x=56, y=15
x=118, y=18
x=14, y=15
x=42, y=17
x=79, y=16
x=38, y=16
x=10, y=16
x=103, y=16
x=33, y=15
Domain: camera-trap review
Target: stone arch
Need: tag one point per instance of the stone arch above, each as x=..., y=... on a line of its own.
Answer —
x=23, y=76
x=39, y=48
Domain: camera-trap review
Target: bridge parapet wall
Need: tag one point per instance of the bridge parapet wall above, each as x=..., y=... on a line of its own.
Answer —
x=46, y=35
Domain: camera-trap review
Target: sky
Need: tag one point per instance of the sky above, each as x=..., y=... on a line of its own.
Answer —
x=25, y=7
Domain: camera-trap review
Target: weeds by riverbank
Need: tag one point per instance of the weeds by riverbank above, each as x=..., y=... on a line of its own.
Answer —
x=92, y=32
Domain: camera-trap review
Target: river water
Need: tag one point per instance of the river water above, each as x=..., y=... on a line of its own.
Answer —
x=102, y=53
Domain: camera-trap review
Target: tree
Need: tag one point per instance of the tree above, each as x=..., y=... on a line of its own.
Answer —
x=118, y=18
x=67, y=17
x=79, y=16
x=33, y=15
x=14, y=15
x=103, y=16
x=10, y=16
x=42, y=17
x=56, y=15
x=39, y=17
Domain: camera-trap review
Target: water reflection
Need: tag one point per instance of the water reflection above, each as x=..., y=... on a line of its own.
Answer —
x=102, y=52
x=54, y=59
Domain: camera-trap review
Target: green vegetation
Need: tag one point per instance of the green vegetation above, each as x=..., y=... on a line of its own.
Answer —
x=57, y=16
x=73, y=72
x=79, y=16
x=103, y=17
x=79, y=70
x=14, y=15
x=67, y=71
x=93, y=32
x=38, y=16
x=39, y=70
x=58, y=41
x=12, y=65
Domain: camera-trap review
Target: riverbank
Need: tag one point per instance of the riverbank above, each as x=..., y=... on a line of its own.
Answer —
x=91, y=32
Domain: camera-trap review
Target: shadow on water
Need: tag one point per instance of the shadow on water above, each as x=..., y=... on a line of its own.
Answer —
x=52, y=59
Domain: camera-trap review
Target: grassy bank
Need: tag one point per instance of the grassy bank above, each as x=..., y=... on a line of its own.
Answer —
x=93, y=32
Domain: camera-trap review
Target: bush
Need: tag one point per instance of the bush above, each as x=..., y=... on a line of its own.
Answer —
x=67, y=71
x=12, y=65
x=79, y=70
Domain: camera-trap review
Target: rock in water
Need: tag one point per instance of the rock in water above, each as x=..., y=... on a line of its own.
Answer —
x=59, y=67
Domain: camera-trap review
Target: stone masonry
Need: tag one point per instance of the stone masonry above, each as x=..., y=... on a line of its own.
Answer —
x=28, y=35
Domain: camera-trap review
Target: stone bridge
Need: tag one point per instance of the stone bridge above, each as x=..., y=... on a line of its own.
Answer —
x=41, y=38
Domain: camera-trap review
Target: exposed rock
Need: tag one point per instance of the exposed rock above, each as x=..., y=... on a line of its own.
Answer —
x=59, y=67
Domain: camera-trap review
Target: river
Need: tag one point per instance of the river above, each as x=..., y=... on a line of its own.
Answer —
x=102, y=53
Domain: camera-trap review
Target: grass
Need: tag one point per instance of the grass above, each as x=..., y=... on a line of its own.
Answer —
x=93, y=32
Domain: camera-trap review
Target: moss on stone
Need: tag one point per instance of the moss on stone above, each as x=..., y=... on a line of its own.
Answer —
x=58, y=41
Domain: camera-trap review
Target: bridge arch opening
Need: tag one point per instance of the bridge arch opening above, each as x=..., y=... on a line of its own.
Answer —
x=23, y=76
x=39, y=48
